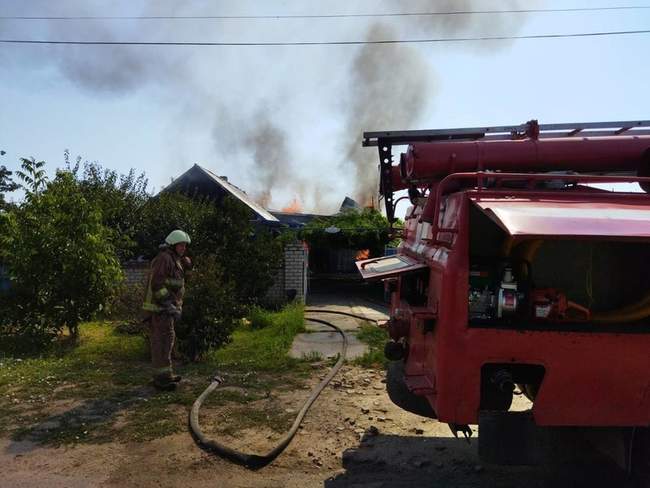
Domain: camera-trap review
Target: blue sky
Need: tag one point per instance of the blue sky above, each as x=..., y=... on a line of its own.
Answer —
x=172, y=107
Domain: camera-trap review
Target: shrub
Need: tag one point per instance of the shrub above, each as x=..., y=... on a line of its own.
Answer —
x=60, y=260
x=210, y=310
x=126, y=302
x=365, y=229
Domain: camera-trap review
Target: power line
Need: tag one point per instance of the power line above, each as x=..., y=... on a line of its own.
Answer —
x=322, y=16
x=324, y=43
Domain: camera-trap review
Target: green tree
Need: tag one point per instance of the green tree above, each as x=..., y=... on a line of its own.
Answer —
x=33, y=175
x=6, y=183
x=59, y=255
x=120, y=197
x=211, y=309
x=235, y=263
x=350, y=229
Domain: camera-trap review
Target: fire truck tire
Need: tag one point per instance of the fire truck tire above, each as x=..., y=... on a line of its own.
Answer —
x=641, y=457
x=400, y=395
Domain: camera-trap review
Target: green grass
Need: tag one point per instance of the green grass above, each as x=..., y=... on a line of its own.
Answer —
x=100, y=387
x=376, y=338
x=263, y=343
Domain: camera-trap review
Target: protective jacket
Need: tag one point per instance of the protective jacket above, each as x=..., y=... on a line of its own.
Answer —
x=166, y=285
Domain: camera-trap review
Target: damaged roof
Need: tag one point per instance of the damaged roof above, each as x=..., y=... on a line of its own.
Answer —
x=202, y=181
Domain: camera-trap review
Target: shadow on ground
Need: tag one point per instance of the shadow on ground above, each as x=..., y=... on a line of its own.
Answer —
x=389, y=461
x=347, y=293
x=75, y=423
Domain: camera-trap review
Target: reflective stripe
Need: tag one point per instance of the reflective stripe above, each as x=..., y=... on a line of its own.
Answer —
x=148, y=305
x=162, y=293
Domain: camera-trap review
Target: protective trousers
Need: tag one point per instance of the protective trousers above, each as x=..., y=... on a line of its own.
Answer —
x=162, y=337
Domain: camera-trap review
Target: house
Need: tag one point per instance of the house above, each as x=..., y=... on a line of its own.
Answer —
x=200, y=181
x=291, y=279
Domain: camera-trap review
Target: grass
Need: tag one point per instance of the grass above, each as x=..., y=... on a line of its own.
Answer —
x=376, y=338
x=97, y=391
x=262, y=344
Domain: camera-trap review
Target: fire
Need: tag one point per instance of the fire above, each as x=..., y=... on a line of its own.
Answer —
x=293, y=207
x=362, y=254
x=369, y=202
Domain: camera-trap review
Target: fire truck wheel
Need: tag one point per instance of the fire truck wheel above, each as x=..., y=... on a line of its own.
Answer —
x=641, y=457
x=400, y=394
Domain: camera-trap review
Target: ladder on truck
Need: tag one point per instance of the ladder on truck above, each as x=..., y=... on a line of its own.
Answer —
x=385, y=140
x=530, y=129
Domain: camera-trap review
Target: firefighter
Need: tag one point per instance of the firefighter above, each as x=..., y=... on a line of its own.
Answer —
x=163, y=305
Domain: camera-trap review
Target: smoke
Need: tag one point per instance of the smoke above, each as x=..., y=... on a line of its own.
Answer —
x=269, y=148
x=391, y=85
x=388, y=87
x=266, y=113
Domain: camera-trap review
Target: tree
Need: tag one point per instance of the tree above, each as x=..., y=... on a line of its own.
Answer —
x=6, y=183
x=235, y=263
x=211, y=309
x=33, y=175
x=120, y=197
x=350, y=229
x=59, y=255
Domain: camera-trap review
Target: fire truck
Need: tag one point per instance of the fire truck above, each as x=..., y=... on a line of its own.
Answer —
x=524, y=269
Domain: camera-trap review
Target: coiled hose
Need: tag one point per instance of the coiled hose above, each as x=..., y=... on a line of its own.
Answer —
x=257, y=461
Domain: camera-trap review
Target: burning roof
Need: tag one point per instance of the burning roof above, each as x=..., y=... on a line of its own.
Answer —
x=201, y=181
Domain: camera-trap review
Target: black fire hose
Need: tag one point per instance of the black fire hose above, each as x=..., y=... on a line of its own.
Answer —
x=256, y=461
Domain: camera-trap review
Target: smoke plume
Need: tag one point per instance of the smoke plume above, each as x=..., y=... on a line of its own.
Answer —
x=392, y=85
x=271, y=157
x=225, y=93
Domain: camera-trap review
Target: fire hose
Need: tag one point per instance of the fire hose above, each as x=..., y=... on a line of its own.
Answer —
x=257, y=461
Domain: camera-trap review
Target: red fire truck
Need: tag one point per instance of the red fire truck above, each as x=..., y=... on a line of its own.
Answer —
x=524, y=269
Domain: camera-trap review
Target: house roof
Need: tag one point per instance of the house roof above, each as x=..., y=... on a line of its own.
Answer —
x=198, y=174
x=295, y=220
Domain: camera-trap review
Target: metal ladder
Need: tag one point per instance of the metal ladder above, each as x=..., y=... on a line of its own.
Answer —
x=530, y=129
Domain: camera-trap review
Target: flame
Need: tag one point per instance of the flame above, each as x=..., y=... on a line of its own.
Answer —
x=362, y=254
x=369, y=202
x=293, y=207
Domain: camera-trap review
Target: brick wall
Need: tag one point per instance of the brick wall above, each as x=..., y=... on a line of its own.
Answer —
x=290, y=278
x=135, y=272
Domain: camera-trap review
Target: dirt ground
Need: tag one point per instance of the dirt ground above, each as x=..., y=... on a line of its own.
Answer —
x=353, y=437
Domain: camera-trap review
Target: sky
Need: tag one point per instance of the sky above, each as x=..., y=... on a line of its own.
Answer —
x=285, y=122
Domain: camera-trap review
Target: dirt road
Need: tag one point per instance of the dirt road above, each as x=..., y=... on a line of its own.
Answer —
x=353, y=437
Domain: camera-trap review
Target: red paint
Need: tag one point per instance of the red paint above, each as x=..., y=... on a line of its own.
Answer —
x=428, y=161
x=595, y=378
x=592, y=379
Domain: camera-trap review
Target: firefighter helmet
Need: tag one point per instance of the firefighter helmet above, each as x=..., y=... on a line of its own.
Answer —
x=176, y=237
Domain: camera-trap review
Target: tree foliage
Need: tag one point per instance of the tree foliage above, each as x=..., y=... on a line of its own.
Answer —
x=120, y=197
x=33, y=176
x=63, y=245
x=6, y=183
x=59, y=256
x=248, y=257
x=211, y=309
x=350, y=229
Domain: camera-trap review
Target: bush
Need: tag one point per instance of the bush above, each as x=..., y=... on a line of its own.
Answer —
x=126, y=302
x=60, y=260
x=365, y=229
x=249, y=257
x=211, y=309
